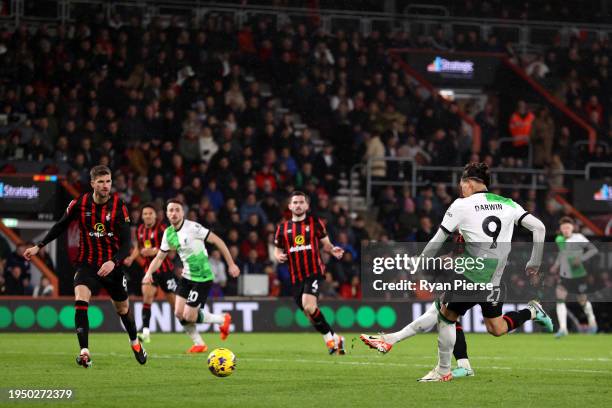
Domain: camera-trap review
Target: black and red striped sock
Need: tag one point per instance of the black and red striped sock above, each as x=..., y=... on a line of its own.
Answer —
x=460, y=349
x=146, y=315
x=81, y=322
x=515, y=320
x=129, y=324
x=319, y=322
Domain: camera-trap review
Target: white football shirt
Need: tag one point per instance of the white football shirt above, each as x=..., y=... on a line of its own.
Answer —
x=571, y=249
x=486, y=221
x=188, y=242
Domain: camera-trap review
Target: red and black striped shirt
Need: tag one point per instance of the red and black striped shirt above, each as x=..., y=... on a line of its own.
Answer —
x=150, y=237
x=300, y=241
x=104, y=229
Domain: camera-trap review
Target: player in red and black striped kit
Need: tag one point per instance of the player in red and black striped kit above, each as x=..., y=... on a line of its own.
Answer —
x=104, y=226
x=299, y=241
x=148, y=238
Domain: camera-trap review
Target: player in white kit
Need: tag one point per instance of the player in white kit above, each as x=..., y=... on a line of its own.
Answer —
x=574, y=250
x=486, y=221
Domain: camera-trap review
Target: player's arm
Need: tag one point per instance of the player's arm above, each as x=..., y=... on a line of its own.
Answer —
x=327, y=246
x=125, y=243
x=538, y=231
x=214, y=239
x=449, y=224
x=280, y=253
x=132, y=257
x=55, y=231
x=336, y=251
x=554, y=268
x=155, y=264
x=149, y=252
x=591, y=251
x=435, y=243
x=128, y=261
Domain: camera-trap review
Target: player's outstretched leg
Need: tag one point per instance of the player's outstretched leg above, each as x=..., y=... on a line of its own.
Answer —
x=540, y=316
x=533, y=311
x=464, y=369
x=127, y=318
x=562, y=318
x=81, y=323
x=384, y=342
x=224, y=321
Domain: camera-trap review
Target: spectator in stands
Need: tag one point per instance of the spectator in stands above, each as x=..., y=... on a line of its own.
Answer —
x=444, y=150
x=252, y=264
x=219, y=269
x=537, y=69
x=487, y=120
x=329, y=286
x=352, y=289
x=16, y=259
x=44, y=256
x=344, y=243
x=555, y=172
x=542, y=137
x=425, y=231
x=376, y=149
x=550, y=217
x=43, y=289
x=251, y=206
x=17, y=284
x=253, y=243
x=520, y=125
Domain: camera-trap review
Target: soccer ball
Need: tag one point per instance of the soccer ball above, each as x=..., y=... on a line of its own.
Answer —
x=221, y=362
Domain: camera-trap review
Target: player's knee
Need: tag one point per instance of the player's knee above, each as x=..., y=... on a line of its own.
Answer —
x=122, y=308
x=309, y=309
x=496, y=330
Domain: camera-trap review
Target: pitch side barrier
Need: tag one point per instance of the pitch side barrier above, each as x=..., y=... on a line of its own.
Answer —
x=248, y=315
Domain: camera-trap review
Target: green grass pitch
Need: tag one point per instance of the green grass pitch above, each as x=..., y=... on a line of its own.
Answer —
x=279, y=370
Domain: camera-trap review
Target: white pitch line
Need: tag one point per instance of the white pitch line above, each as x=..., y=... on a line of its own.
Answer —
x=365, y=363
x=337, y=362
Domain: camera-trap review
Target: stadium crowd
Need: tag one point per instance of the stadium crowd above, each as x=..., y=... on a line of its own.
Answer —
x=228, y=118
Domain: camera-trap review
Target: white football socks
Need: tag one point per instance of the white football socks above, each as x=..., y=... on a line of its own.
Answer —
x=446, y=342
x=213, y=318
x=328, y=336
x=562, y=316
x=192, y=331
x=145, y=331
x=423, y=323
x=588, y=311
